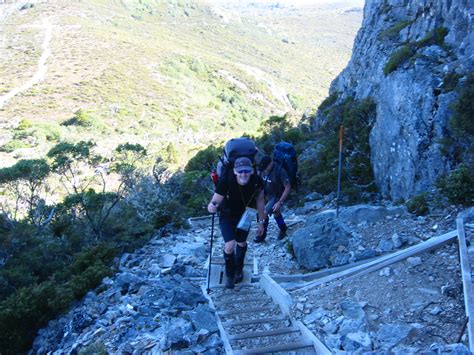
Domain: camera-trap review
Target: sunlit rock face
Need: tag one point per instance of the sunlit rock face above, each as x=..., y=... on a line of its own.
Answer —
x=413, y=96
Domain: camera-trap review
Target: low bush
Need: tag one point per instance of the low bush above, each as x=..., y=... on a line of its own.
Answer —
x=13, y=145
x=462, y=122
x=393, y=32
x=204, y=160
x=81, y=118
x=418, y=204
x=398, y=58
x=407, y=51
x=320, y=170
x=458, y=186
x=450, y=81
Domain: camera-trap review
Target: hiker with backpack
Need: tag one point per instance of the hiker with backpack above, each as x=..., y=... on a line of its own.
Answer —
x=238, y=191
x=277, y=187
x=281, y=174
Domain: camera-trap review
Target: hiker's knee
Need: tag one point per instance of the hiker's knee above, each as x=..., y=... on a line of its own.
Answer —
x=229, y=247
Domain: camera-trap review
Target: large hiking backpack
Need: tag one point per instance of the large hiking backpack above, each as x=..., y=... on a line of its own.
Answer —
x=284, y=154
x=234, y=148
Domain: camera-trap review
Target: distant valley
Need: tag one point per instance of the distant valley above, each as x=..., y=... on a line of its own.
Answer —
x=173, y=75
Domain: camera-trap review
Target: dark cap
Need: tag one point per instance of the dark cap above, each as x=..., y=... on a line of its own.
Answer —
x=242, y=163
x=264, y=162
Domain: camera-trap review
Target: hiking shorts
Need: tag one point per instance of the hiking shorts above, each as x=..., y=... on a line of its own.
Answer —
x=229, y=229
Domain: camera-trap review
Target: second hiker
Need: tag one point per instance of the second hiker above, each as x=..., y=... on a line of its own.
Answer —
x=277, y=187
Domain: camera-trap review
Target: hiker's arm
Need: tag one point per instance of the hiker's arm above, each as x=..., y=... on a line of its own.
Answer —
x=216, y=200
x=261, y=213
x=283, y=197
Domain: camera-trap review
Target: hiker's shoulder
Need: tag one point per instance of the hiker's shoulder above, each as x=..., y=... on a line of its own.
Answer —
x=256, y=180
x=225, y=183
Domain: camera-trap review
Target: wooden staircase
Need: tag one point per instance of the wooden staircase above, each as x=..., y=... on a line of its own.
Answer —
x=254, y=324
x=253, y=318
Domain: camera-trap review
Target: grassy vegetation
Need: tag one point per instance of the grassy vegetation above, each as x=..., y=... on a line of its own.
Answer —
x=458, y=186
x=418, y=205
x=407, y=51
x=458, y=145
x=320, y=170
x=393, y=32
x=161, y=72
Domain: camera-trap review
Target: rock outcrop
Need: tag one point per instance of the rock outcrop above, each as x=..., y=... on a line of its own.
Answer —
x=150, y=306
x=428, y=43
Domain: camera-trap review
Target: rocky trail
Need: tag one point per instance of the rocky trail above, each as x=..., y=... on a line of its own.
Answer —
x=42, y=66
x=157, y=301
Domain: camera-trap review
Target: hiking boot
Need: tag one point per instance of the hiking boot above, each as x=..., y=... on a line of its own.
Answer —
x=229, y=270
x=239, y=262
x=239, y=276
x=282, y=233
x=229, y=282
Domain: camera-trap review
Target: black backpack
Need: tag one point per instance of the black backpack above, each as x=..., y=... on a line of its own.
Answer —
x=234, y=148
x=284, y=154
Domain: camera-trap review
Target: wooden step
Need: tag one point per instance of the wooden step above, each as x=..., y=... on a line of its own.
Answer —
x=220, y=261
x=256, y=334
x=245, y=300
x=247, y=310
x=234, y=323
x=254, y=291
x=276, y=348
x=237, y=286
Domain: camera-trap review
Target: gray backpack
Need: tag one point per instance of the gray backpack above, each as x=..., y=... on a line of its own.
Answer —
x=235, y=148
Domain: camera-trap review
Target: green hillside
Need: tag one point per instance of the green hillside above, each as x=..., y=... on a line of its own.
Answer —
x=155, y=73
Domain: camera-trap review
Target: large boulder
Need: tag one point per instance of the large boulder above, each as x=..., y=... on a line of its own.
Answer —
x=370, y=214
x=322, y=242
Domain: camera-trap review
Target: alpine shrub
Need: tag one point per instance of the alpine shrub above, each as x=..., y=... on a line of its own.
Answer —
x=458, y=186
x=418, y=205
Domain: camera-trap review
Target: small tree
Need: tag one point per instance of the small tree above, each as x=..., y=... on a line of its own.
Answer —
x=82, y=172
x=26, y=183
x=127, y=158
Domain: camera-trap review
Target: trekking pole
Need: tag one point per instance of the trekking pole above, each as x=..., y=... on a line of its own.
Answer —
x=339, y=171
x=210, y=254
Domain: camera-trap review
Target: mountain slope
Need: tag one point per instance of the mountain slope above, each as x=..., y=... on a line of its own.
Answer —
x=157, y=73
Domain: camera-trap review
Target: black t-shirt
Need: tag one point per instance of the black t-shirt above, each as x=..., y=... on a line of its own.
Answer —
x=275, y=182
x=237, y=197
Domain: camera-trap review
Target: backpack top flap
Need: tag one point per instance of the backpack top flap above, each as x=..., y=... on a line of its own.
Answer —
x=285, y=155
x=283, y=151
x=239, y=147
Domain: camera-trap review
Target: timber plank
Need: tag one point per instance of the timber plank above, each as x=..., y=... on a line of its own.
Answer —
x=220, y=261
x=223, y=334
x=245, y=300
x=385, y=260
x=246, y=310
x=216, y=275
x=321, y=349
x=277, y=293
x=303, y=343
x=238, y=292
x=467, y=282
x=254, y=334
x=254, y=321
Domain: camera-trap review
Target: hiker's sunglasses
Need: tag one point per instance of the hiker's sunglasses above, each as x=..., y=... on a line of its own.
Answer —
x=246, y=171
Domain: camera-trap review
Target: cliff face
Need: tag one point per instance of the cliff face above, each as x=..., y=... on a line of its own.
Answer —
x=412, y=92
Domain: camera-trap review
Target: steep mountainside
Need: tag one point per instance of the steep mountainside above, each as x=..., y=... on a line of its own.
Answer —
x=410, y=58
x=158, y=73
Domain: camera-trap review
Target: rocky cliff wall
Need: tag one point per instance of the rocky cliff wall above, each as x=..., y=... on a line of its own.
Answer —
x=412, y=95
